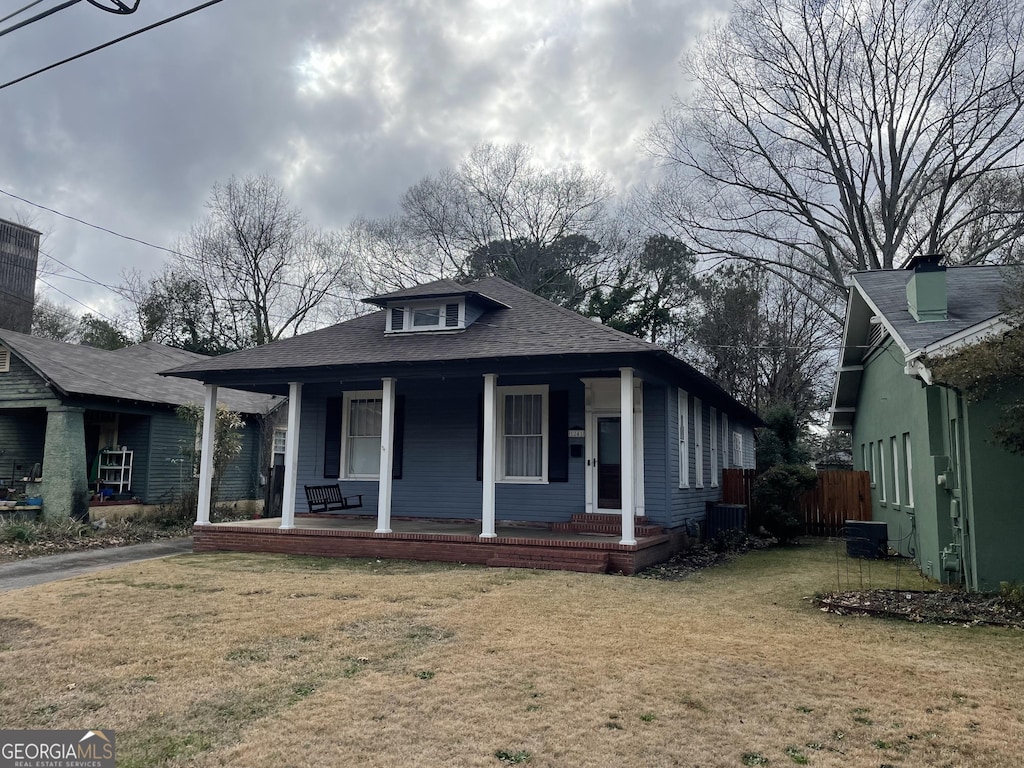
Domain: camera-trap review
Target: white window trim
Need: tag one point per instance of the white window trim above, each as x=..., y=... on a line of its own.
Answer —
x=910, y=468
x=714, y=447
x=356, y=394
x=409, y=307
x=725, y=441
x=698, y=441
x=737, y=449
x=278, y=431
x=5, y=360
x=868, y=456
x=894, y=449
x=684, y=438
x=881, y=472
x=501, y=392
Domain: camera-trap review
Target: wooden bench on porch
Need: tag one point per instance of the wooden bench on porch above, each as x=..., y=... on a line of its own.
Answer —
x=328, y=498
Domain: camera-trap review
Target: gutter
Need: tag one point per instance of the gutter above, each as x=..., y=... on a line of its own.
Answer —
x=915, y=361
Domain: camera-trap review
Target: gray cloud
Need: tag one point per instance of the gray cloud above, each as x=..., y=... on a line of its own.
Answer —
x=348, y=103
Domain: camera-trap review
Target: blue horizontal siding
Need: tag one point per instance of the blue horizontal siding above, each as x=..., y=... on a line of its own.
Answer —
x=688, y=504
x=169, y=472
x=439, y=450
x=655, y=453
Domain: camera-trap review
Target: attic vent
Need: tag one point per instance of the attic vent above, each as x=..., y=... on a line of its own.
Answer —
x=5, y=360
x=875, y=337
x=451, y=315
x=397, y=319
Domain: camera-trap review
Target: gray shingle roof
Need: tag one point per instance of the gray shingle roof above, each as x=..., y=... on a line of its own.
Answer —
x=435, y=290
x=124, y=374
x=974, y=296
x=531, y=326
x=525, y=326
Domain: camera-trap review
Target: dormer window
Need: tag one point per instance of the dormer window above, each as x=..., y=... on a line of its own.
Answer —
x=426, y=317
x=433, y=316
x=440, y=306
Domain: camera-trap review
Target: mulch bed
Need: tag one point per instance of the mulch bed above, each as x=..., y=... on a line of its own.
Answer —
x=940, y=606
x=55, y=544
x=934, y=607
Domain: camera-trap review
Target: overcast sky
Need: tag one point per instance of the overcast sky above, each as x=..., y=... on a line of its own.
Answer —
x=347, y=103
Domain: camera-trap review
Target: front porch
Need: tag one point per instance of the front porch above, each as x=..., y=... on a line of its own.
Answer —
x=529, y=545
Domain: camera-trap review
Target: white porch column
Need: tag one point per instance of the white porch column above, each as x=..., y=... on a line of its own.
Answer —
x=206, y=455
x=490, y=397
x=387, y=458
x=626, y=454
x=291, y=455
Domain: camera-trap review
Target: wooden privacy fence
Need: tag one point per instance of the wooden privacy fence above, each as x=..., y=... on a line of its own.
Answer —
x=840, y=495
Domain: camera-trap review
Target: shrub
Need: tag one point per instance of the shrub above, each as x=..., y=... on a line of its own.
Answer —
x=20, y=532
x=777, y=491
x=1012, y=594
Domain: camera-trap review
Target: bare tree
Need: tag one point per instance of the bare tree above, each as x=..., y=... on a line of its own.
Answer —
x=762, y=341
x=264, y=270
x=54, y=321
x=857, y=132
x=497, y=207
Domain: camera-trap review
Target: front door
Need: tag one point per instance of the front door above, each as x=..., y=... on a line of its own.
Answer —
x=609, y=463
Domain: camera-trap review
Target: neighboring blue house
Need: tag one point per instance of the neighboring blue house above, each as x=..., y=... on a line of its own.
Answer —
x=101, y=425
x=487, y=403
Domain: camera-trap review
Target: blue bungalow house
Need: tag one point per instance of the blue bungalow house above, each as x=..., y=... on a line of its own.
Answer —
x=539, y=436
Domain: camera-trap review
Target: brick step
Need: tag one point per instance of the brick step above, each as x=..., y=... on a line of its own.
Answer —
x=606, y=528
x=580, y=566
x=606, y=519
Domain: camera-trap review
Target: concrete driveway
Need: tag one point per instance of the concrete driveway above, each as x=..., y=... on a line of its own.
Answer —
x=40, y=570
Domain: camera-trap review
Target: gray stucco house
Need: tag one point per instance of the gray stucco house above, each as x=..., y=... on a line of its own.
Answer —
x=486, y=404
x=101, y=425
x=948, y=491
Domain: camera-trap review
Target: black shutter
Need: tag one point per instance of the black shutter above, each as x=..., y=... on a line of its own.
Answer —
x=480, y=437
x=451, y=315
x=397, y=319
x=332, y=437
x=558, y=437
x=398, y=447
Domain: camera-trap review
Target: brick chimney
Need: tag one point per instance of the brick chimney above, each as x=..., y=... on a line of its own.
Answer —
x=926, y=289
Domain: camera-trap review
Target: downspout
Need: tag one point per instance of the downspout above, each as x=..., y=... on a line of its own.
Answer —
x=955, y=557
x=964, y=523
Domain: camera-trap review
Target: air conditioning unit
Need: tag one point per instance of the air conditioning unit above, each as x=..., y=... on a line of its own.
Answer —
x=867, y=539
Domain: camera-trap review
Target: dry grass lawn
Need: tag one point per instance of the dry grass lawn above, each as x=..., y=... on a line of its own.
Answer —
x=255, y=660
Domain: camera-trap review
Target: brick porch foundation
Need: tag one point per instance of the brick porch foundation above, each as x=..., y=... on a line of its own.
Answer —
x=503, y=551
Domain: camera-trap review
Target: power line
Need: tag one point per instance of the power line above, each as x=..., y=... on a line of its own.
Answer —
x=83, y=54
x=39, y=16
x=123, y=236
x=77, y=301
x=87, y=223
x=20, y=10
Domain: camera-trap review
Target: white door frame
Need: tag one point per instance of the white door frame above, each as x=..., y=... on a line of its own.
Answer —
x=601, y=399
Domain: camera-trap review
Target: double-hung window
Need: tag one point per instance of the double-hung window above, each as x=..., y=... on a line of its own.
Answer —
x=684, y=439
x=881, y=472
x=522, y=443
x=698, y=440
x=894, y=451
x=908, y=470
x=868, y=460
x=361, y=434
x=714, y=448
x=279, y=445
x=725, y=441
